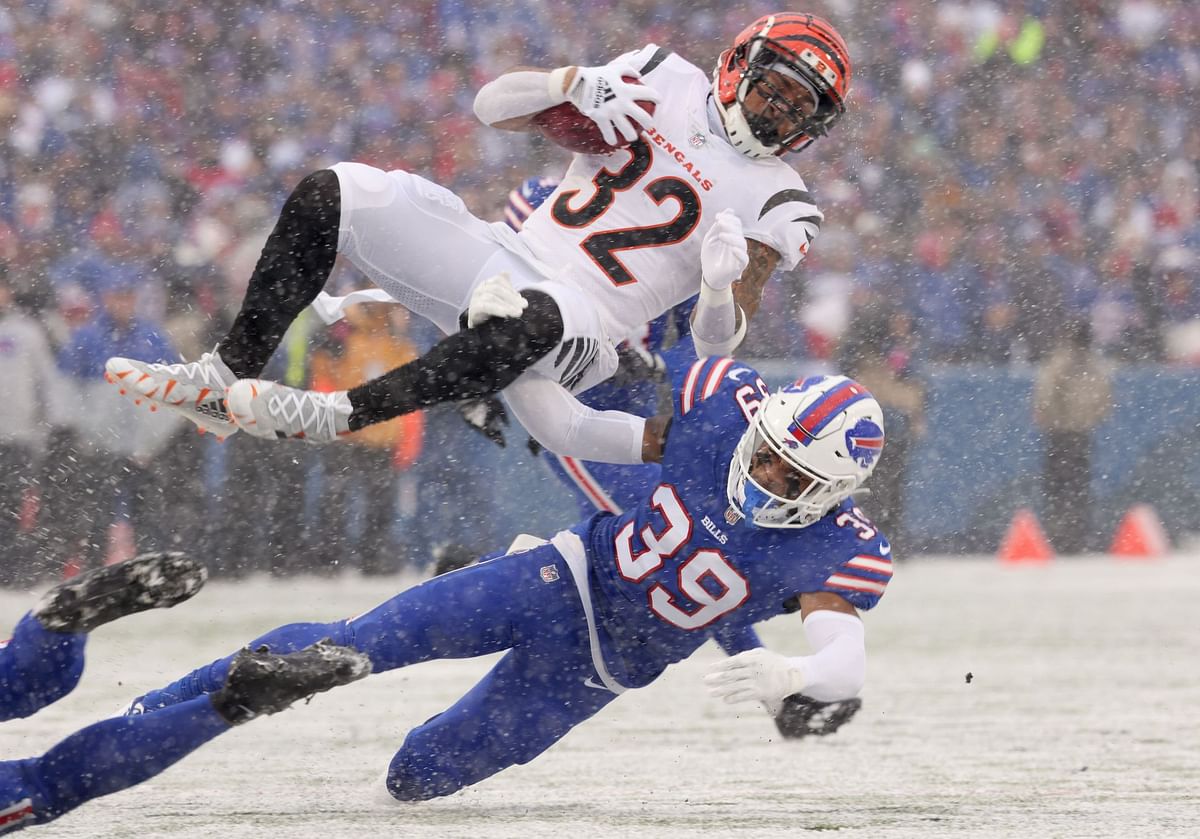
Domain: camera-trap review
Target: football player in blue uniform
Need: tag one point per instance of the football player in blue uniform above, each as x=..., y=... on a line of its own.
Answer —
x=752, y=518
x=44, y=659
x=608, y=487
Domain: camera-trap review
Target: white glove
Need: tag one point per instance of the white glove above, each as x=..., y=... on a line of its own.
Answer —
x=495, y=297
x=611, y=102
x=757, y=675
x=723, y=253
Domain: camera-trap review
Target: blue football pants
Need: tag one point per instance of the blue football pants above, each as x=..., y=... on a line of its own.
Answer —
x=37, y=667
x=525, y=603
x=105, y=757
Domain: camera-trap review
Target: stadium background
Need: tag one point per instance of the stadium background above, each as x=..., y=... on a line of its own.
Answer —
x=1005, y=169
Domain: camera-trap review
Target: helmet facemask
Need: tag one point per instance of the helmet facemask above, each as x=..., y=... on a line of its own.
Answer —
x=799, y=47
x=764, y=508
x=808, y=448
x=783, y=125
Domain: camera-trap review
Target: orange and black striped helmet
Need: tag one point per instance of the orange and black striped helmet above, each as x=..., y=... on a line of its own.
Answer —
x=800, y=46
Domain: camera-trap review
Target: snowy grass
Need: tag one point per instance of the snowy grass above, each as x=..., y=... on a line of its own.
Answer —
x=1081, y=719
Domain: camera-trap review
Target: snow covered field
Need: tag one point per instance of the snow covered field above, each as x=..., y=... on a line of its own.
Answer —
x=1082, y=719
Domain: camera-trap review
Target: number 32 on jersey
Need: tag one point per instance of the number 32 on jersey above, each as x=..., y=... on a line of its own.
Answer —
x=603, y=246
x=705, y=577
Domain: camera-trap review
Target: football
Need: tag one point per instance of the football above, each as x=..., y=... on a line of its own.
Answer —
x=565, y=126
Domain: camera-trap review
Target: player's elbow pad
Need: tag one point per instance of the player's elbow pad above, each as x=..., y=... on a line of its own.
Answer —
x=837, y=669
x=520, y=93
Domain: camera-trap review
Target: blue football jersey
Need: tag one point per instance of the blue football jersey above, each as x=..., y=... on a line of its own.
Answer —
x=669, y=572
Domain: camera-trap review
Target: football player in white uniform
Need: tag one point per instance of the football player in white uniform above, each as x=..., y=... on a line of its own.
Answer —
x=697, y=199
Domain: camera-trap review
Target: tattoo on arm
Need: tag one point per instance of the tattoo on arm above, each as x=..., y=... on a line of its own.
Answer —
x=748, y=291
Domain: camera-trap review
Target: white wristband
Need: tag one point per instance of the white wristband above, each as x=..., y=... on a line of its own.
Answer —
x=718, y=323
x=556, y=84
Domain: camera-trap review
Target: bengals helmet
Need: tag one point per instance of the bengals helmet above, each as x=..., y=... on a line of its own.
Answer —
x=800, y=47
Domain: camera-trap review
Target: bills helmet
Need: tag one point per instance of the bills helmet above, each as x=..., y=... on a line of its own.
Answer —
x=809, y=447
x=526, y=198
x=783, y=58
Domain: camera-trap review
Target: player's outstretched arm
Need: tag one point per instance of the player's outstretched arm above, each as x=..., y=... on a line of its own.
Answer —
x=834, y=671
x=748, y=289
x=604, y=94
x=734, y=272
x=510, y=101
x=565, y=426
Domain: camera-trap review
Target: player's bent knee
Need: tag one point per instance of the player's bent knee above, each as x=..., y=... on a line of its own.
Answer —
x=363, y=180
x=317, y=193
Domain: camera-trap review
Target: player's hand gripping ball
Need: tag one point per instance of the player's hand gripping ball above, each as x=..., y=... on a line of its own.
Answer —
x=567, y=126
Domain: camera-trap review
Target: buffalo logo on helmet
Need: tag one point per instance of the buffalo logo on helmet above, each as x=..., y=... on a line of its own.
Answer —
x=864, y=442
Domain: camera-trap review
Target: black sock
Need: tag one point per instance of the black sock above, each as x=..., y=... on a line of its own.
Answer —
x=292, y=270
x=470, y=363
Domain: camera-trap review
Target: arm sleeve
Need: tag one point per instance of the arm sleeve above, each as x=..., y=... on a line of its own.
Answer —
x=718, y=325
x=837, y=668
x=565, y=426
x=518, y=94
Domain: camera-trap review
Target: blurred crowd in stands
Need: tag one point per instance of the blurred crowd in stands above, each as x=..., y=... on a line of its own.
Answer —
x=1004, y=168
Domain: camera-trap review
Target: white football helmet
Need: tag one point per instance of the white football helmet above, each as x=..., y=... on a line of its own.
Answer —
x=828, y=433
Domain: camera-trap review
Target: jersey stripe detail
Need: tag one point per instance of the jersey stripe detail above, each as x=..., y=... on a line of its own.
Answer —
x=688, y=393
x=855, y=584
x=698, y=386
x=871, y=564
x=660, y=55
x=15, y=813
x=578, y=472
x=714, y=377
x=786, y=196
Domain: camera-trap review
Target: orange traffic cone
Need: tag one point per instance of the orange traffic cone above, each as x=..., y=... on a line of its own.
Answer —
x=1140, y=535
x=1025, y=541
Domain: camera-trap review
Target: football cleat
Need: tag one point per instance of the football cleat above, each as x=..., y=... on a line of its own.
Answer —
x=149, y=581
x=274, y=411
x=261, y=682
x=195, y=389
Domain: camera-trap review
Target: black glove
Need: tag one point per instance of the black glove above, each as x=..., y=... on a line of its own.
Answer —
x=486, y=415
x=802, y=716
x=635, y=364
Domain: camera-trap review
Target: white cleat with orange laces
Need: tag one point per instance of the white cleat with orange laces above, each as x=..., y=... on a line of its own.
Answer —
x=274, y=411
x=195, y=389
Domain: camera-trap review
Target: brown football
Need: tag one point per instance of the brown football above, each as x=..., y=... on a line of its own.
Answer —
x=565, y=126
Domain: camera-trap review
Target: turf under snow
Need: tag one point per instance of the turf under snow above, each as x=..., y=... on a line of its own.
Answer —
x=1081, y=718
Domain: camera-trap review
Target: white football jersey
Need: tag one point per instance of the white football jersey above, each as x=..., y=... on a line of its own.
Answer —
x=626, y=227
